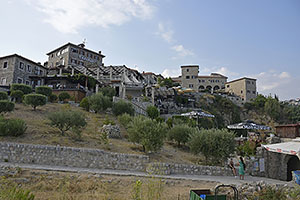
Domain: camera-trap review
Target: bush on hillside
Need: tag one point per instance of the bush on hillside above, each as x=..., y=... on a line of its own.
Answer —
x=3, y=96
x=6, y=106
x=53, y=98
x=272, y=108
x=125, y=119
x=85, y=104
x=64, y=96
x=180, y=133
x=152, y=112
x=108, y=91
x=35, y=100
x=215, y=144
x=45, y=90
x=26, y=89
x=148, y=133
x=66, y=120
x=9, y=192
x=122, y=107
x=17, y=95
x=12, y=127
x=99, y=102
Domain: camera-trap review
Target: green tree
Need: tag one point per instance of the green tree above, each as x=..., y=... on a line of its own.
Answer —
x=45, y=90
x=17, y=95
x=66, y=120
x=180, y=133
x=125, y=119
x=152, y=112
x=12, y=127
x=64, y=96
x=26, y=89
x=272, y=108
x=99, y=102
x=6, y=106
x=85, y=104
x=149, y=133
x=108, y=91
x=53, y=98
x=259, y=101
x=3, y=96
x=35, y=100
x=122, y=107
x=215, y=144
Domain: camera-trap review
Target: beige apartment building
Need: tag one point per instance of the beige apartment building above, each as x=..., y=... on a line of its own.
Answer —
x=243, y=87
x=18, y=69
x=191, y=79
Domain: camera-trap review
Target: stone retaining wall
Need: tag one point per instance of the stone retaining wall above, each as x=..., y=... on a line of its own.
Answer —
x=71, y=157
x=95, y=158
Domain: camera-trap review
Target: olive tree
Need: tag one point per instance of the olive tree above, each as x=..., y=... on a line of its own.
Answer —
x=35, y=100
x=180, y=133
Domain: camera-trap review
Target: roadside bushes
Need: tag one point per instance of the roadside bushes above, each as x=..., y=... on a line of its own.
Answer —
x=152, y=112
x=64, y=96
x=125, y=119
x=35, y=100
x=12, y=127
x=122, y=107
x=3, y=96
x=53, y=98
x=180, y=133
x=6, y=106
x=98, y=102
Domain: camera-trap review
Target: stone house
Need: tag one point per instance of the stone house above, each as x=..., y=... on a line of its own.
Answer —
x=288, y=130
x=18, y=69
x=242, y=87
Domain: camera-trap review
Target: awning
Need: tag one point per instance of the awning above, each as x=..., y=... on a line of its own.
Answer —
x=291, y=148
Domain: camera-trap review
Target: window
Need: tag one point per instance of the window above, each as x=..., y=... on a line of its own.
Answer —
x=27, y=82
x=19, y=80
x=187, y=77
x=41, y=72
x=248, y=82
x=82, y=52
x=187, y=70
x=191, y=85
x=3, y=81
x=74, y=50
x=4, y=65
x=248, y=91
x=228, y=86
x=253, y=92
x=21, y=66
x=241, y=91
x=29, y=68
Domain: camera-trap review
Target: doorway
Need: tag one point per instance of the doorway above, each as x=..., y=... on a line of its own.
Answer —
x=292, y=165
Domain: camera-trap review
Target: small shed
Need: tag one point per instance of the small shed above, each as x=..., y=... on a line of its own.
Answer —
x=288, y=130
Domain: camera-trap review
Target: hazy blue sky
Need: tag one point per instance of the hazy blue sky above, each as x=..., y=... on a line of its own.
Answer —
x=254, y=38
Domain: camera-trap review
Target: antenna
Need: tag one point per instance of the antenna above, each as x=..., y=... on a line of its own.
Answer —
x=84, y=41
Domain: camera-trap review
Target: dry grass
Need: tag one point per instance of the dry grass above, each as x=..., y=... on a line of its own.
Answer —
x=40, y=132
x=73, y=186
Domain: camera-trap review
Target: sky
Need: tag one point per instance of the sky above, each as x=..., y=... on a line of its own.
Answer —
x=250, y=38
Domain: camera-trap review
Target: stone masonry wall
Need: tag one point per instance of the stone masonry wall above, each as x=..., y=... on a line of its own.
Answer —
x=72, y=157
x=95, y=158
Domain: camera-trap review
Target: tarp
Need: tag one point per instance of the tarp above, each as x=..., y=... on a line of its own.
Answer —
x=250, y=125
x=291, y=148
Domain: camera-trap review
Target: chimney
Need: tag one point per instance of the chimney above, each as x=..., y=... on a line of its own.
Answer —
x=100, y=52
x=81, y=45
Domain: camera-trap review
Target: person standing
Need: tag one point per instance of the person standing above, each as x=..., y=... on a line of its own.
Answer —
x=231, y=165
x=242, y=168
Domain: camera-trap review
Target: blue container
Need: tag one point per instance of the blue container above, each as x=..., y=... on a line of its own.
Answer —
x=297, y=176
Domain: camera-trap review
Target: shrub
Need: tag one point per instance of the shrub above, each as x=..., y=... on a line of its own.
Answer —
x=149, y=133
x=108, y=91
x=269, y=193
x=125, y=119
x=12, y=127
x=65, y=120
x=108, y=121
x=99, y=102
x=215, y=144
x=180, y=133
x=64, y=96
x=6, y=106
x=247, y=149
x=26, y=89
x=85, y=104
x=45, y=90
x=53, y=98
x=152, y=112
x=17, y=95
x=9, y=192
x=122, y=107
x=3, y=96
x=35, y=100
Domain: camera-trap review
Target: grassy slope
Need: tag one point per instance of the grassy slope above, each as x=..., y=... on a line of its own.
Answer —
x=40, y=132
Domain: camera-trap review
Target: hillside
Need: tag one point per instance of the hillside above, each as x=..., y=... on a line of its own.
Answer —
x=39, y=131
